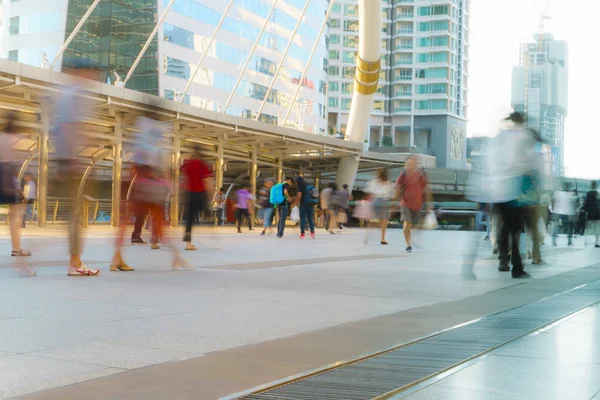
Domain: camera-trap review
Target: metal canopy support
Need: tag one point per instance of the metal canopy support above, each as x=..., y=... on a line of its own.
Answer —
x=287, y=49
x=256, y=42
x=312, y=53
x=254, y=170
x=175, y=174
x=73, y=34
x=43, y=169
x=206, y=50
x=279, y=170
x=95, y=160
x=117, y=174
x=219, y=167
x=147, y=44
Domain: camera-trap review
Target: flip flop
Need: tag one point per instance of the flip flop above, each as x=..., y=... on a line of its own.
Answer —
x=20, y=253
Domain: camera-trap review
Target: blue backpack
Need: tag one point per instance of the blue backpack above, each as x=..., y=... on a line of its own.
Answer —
x=277, y=194
x=312, y=193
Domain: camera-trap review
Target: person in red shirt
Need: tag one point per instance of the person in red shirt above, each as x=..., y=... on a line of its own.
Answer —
x=411, y=189
x=199, y=185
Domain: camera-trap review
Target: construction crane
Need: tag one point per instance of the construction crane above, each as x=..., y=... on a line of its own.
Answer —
x=545, y=16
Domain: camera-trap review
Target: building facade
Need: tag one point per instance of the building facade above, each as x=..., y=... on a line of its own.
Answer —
x=33, y=30
x=540, y=90
x=421, y=104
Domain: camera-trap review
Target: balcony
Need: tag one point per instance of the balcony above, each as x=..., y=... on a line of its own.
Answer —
x=402, y=149
x=405, y=16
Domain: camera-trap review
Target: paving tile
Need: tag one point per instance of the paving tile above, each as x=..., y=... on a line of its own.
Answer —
x=23, y=374
x=439, y=392
x=113, y=355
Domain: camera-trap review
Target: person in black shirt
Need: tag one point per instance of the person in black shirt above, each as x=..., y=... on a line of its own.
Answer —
x=592, y=207
x=285, y=206
x=307, y=208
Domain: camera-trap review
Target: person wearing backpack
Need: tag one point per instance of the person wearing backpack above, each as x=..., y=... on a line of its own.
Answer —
x=280, y=197
x=306, y=199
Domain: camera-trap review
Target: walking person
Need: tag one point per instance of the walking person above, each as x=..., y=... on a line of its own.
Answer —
x=325, y=196
x=592, y=207
x=219, y=202
x=411, y=189
x=380, y=194
x=244, y=202
x=333, y=202
x=9, y=192
x=30, y=196
x=581, y=217
x=563, y=213
x=284, y=205
x=199, y=185
x=344, y=196
x=307, y=197
x=264, y=200
x=67, y=138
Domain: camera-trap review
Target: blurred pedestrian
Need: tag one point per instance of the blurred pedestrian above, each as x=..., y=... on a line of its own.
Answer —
x=220, y=201
x=284, y=205
x=412, y=192
x=307, y=196
x=581, y=217
x=67, y=137
x=333, y=207
x=344, y=198
x=244, y=202
x=267, y=209
x=30, y=197
x=592, y=206
x=563, y=213
x=380, y=194
x=9, y=190
x=325, y=195
x=199, y=185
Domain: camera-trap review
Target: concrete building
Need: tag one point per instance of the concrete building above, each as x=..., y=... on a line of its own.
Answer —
x=421, y=104
x=540, y=89
x=33, y=31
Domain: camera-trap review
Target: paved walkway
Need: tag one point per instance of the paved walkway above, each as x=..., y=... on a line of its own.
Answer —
x=243, y=290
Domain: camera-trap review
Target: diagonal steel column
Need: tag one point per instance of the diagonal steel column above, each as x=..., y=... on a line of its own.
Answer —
x=147, y=44
x=239, y=78
x=115, y=217
x=210, y=42
x=287, y=49
x=312, y=53
x=74, y=33
x=43, y=168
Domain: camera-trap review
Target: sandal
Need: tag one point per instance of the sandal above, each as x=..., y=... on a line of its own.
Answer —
x=121, y=267
x=20, y=253
x=190, y=247
x=83, y=270
x=180, y=265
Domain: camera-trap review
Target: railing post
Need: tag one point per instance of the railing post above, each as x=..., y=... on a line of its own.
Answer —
x=43, y=168
x=55, y=213
x=117, y=173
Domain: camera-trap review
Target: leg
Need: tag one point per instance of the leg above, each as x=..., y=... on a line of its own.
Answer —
x=406, y=230
x=238, y=218
x=516, y=224
x=282, y=217
x=504, y=236
x=140, y=214
x=597, y=232
x=383, y=223
x=310, y=213
x=327, y=217
x=249, y=217
x=192, y=214
x=303, y=216
x=15, y=227
x=332, y=220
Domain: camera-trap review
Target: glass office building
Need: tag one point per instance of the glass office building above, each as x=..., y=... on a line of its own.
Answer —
x=117, y=30
x=421, y=103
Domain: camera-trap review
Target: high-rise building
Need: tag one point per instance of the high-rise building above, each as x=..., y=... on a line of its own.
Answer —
x=114, y=34
x=421, y=103
x=540, y=90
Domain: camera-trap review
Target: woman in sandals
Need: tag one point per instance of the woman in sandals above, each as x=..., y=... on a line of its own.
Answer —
x=9, y=190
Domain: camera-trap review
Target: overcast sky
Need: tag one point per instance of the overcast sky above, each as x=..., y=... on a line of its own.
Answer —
x=497, y=29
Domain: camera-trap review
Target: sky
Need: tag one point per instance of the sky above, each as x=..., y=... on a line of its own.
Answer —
x=497, y=30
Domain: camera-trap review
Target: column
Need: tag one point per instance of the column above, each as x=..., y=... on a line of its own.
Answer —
x=393, y=135
x=412, y=130
x=175, y=168
x=254, y=170
x=279, y=170
x=381, y=133
x=43, y=169
x=219, y=163
x=115, y=216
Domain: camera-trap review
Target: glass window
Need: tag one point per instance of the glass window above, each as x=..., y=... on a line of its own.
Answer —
x=350, y=26
x=322, y=86
x=179, y=36
x=284, y=20
x=13, y=55
x=177, y=68
x=334, y=70
x=434, y=10
x=351, y=10
x=336, y=8
x=334, y=86
x=332, y=102
x=436, y=88
x=334, y=55
x=379, y=105
x=347, y=88
x=195, y=10
x=348, y=57
x=437, y=41
x=348, y=72
x=254, y=6
x=431, y=105
x=433, y=57
x=334, y=23
x=351, y=41
x=13, y=27
x=334, y=39
x=346, y=103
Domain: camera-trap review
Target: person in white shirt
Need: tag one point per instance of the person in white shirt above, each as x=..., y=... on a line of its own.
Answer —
x=563, y=212
x=30, y=196
x=380, y=193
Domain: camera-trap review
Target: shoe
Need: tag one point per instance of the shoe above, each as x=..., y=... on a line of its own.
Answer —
x=486, y=238
x=190, y=247
x=180, y=264
x=332, y=232
x=521, y=275
x=529, y=256
x=239, y=231
x=537, y=262
x=138, y=241
x=262, y=233
x=408, y=249
x=313, y=236
x=384, y=243
x=597, y=246
x=495, y=251
x=121, y=267
x=302, y=236
x=83, y=270
x=20, y=253
x=250, y=229
x=155, y=246
x=469, y=276
x=570, y=244
x=503, y=267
